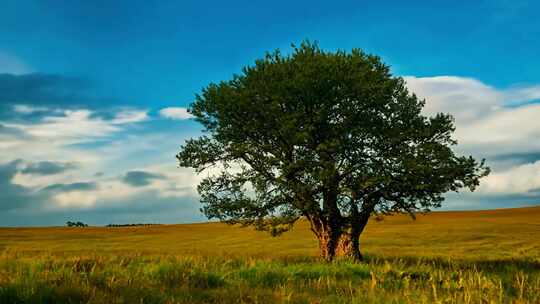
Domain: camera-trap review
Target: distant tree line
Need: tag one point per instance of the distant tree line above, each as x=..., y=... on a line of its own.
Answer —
x=76, y=224
x=130, y=225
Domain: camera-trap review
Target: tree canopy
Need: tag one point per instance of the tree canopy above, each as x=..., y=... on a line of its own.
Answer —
x=332, y=137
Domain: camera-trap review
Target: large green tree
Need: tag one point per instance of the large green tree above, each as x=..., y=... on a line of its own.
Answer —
x=331, y=137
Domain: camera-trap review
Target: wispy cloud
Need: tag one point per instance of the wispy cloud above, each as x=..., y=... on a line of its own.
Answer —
x=78, y=126
x=26, y=109
x=522, y=94
x=73, y=126
x=130, y=116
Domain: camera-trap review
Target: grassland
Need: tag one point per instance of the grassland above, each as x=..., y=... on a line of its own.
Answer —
x=444, y=257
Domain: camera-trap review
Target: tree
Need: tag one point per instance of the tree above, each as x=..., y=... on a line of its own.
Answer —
x=76, y=224
x=331, y=137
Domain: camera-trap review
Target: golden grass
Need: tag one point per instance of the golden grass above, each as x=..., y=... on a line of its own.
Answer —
x=443, y=257
x=491, y=234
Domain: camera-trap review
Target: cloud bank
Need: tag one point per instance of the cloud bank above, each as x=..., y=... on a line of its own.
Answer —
x=500, y=125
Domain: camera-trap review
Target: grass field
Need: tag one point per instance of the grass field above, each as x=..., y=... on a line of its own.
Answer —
x=443, y=257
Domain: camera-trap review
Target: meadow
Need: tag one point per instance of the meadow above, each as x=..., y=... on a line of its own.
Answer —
x=442, y=257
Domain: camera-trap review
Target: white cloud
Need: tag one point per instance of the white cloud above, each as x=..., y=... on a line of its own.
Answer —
x=41, y=181
x=517, y=95
x=26, y=109
x=178, y=182
x=130, y=116
x=521, y=179
x=466, y=98
x=73, y=126
x=489, y=122
x=507, y=130
x=106, y=190
x=57, y=136
x=175, y=183
x=175, y=113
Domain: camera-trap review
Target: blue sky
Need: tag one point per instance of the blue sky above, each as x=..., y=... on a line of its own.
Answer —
x=92, y=93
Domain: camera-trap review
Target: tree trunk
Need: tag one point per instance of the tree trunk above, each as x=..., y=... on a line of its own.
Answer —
x=334, y=240
x=342, y=245
x=339, y=243
x=349, y=246
x=327, y=244
x=349, y=242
